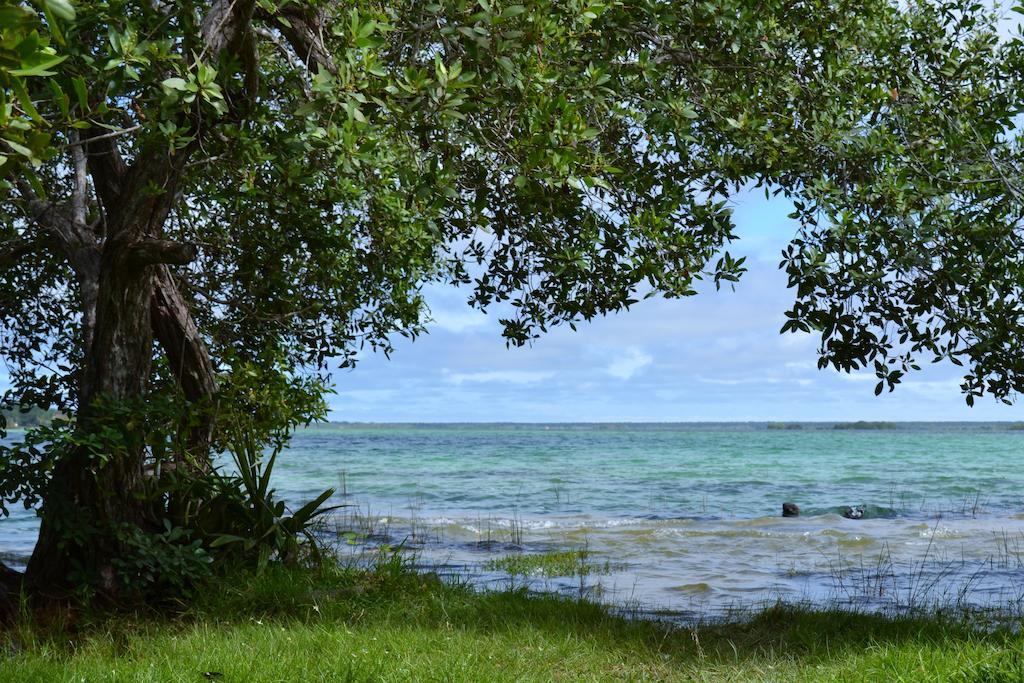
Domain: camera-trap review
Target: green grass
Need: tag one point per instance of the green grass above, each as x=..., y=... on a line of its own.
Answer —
x=392, y=625
x=550, y=564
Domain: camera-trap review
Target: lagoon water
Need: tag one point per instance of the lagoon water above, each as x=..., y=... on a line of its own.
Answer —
x=681, y=518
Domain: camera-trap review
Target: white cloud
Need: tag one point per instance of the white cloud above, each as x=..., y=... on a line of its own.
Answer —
x=498, y=376
x=629, y=364
x=457, y=320
x=933, y=389
x=723, y=382
x=856, y=376
x=802, y=382
x=366, y=395
x=797, y=340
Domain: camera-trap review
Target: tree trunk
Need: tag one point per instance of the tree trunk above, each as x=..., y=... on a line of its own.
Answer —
x=10, y=592
x=93, y=497
x=190, y=364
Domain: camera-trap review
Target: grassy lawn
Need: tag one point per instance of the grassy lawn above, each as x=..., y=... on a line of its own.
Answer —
x=392, y=625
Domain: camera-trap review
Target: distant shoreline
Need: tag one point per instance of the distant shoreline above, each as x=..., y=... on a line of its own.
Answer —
x=18, y=421
x=767, y=425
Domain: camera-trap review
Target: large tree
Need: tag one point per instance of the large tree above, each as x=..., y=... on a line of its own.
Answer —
x=242, y=194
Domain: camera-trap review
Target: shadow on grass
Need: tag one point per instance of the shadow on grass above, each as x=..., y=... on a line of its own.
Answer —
x=393, y=595
x=780, y=643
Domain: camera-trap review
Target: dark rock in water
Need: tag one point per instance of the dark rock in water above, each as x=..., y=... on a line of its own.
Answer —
x=790, y=510
x=853, y=512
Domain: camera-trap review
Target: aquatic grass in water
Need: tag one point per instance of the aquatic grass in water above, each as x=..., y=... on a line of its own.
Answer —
x=933, y=584
x=550, y=564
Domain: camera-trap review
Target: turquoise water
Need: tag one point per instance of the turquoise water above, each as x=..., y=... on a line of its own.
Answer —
x=688, y=516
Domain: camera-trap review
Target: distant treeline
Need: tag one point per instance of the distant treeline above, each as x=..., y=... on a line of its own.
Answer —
x=27, y=417
x=861, y=424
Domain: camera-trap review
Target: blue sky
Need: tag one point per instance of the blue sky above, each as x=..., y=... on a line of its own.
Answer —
x=715, y=356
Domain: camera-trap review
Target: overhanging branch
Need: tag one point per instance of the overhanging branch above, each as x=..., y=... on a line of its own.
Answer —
x=53, y=220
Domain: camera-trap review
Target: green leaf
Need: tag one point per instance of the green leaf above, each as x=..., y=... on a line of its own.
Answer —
x=26, y=101
x=224, y=539
x=62, y=9
x=37, y=185
x=81, y=92
x=175, y=83
x=51, y=20
x=366, y=29
x=310, y=509
x=63, y=102
x=19, y=148
x=40, y=69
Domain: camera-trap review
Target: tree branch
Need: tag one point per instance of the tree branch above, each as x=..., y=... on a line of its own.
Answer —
x=303, y=27
x=148, y=189
x=150, y=251
x=52, y=220
x=286, y=52
x=63, y=236
x=106, y=168
x=188, y=359
x=104, y=136
x=79, y=194
x=224, y=27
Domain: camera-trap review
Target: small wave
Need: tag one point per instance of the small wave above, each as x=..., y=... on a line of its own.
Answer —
x=855, y=542
x=939, y=532
x=729, y=533
x=870, y=512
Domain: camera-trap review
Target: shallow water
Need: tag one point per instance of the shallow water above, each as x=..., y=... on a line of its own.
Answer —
x=686, y=516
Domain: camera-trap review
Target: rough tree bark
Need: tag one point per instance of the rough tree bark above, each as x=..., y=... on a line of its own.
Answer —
x=128, y=296
x=93, y=496
x=189, y=361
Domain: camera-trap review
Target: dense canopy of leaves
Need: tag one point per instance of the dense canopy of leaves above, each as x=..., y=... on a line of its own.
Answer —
x=568, y=157
x=25, y=53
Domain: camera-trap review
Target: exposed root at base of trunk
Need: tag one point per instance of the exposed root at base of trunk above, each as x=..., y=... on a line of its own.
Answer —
x=11, y=583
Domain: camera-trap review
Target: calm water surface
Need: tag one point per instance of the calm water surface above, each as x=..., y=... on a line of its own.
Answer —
x=687, y=516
